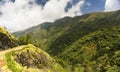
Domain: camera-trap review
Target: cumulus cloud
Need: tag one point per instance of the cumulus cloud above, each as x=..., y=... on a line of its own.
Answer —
x=76, y=9
x=22, y=14
x=112, y=5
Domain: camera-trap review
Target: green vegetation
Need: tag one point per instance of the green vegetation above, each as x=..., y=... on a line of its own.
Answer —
x=88, y=43
x=11, y=63
x=96, y=52
x=6, y=39
x=31, y=58
x=58, y=36
x=4, y=31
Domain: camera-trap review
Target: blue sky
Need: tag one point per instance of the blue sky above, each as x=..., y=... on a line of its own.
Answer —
x=95, y=5
x=90, y=5
x=21, y=14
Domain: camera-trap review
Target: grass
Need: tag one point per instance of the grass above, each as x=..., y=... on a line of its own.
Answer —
x=48, y=63
x=4, y=31
x=11, y=63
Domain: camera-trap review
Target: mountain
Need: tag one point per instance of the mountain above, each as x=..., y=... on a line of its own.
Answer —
x=56, y=37
x=6, y=39
x=87, y=43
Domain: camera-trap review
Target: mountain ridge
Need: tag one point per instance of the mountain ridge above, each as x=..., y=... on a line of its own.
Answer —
x=86, y=23
x=87, y=43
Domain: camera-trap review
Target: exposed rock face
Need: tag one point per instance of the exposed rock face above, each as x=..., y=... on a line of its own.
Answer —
x=31, y=59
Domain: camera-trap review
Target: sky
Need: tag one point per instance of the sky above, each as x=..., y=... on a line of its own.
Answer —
x=18, y=15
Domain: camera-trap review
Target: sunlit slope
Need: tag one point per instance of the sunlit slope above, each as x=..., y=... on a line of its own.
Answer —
x=96, y=52
x=28, y=58
x=87, y=43
x=6, y=39
x=58, y=36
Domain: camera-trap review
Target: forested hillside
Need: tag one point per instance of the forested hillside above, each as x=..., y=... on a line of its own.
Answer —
x=56, y=37
x=87, y=43
x=96, y=52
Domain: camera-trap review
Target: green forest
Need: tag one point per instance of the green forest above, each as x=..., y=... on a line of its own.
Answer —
x=87, y=43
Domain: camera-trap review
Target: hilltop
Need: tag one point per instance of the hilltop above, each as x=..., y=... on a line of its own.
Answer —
x=28, y=58
x=6, y=39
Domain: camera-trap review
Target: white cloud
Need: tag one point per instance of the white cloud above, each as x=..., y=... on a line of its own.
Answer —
x=76, y=10
x=112, y=5
x=21, y=15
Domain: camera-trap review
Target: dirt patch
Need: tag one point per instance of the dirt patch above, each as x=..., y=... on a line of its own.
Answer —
x=2, y=63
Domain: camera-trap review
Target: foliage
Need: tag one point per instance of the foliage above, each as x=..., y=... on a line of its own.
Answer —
x=4, y=31
x=98, y=51
x=87, y=43
x=6, y=39
x=56, y=37
x=31, y=58
x=12, y=64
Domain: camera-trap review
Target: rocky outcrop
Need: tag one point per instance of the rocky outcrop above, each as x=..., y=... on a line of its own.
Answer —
x=6, y=40
x=29, y=58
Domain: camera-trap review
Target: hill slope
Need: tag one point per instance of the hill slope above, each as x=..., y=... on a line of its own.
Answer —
x=56, y=37
x=28, y=58
x=88, y=43
x=96, y=52
x=6, y=39
x=24, y=58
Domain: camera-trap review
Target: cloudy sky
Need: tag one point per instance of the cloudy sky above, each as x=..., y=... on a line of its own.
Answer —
x=17, y=15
